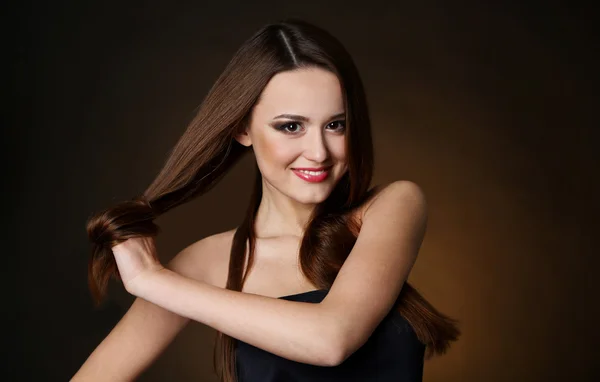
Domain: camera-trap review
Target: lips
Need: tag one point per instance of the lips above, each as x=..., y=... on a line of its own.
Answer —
x=321, y=173
x=312, y=168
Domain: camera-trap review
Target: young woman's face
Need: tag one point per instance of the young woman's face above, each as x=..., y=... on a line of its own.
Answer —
x=299, y=123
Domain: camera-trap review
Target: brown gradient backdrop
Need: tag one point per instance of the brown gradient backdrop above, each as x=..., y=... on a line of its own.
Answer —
x=487, y=107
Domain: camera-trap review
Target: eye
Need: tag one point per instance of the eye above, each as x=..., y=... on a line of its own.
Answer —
x=341, y=125
x=284, y=127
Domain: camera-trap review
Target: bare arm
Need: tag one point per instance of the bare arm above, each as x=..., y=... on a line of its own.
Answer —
x=294, y=330
x=321, y=334
x=143, y=333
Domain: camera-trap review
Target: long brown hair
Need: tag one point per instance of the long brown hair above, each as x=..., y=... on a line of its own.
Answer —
x=207, y=150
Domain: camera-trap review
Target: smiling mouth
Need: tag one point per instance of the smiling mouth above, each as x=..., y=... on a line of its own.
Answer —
x=310, y=172
x=313, y=171
x=313, y=176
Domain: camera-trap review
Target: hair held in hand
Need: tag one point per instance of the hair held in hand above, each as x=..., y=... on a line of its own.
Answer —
x=207, y=150
x=110, y=227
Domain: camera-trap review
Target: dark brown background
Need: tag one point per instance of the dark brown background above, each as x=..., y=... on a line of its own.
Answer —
x=490, y=108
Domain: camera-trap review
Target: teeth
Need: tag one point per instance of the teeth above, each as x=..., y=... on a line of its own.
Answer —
x=311, y=172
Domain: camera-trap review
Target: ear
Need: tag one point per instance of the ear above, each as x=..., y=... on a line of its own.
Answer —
x=244, y=138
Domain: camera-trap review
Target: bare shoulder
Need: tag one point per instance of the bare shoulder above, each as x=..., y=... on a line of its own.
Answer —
x=394, y=190
x=205, y=260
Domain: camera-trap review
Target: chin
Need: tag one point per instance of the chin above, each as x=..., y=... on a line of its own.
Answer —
x=312, y=196
x=310, y=201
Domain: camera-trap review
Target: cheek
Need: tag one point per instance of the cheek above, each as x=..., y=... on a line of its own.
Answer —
x=338, y=149
x=273, y=154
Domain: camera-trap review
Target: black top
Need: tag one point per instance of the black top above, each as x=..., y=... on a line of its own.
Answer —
x=392, y=353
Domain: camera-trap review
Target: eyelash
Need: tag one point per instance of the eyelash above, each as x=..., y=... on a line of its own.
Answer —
x=283, y=126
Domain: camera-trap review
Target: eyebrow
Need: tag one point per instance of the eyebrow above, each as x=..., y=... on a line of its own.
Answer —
x=305, y=119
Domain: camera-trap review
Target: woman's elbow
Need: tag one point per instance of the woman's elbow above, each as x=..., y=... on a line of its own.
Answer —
x=331, y=346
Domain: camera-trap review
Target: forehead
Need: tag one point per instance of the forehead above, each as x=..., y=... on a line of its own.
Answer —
x=308, y=91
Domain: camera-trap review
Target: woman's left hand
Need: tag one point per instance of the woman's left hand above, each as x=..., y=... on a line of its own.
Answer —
x=136, y=258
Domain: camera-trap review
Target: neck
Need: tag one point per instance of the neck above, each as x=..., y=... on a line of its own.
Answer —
x=279, y=215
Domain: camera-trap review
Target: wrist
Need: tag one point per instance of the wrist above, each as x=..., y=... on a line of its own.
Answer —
x=140, y=283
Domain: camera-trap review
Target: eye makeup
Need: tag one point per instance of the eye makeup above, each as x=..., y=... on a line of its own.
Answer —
x=285, y=125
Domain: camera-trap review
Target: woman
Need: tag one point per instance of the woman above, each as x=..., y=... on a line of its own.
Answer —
x=311, y=286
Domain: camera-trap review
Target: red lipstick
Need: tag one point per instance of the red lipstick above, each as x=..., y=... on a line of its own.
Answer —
x=315, y=175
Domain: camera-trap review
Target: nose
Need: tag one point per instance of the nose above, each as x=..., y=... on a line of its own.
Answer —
x=315, y=148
